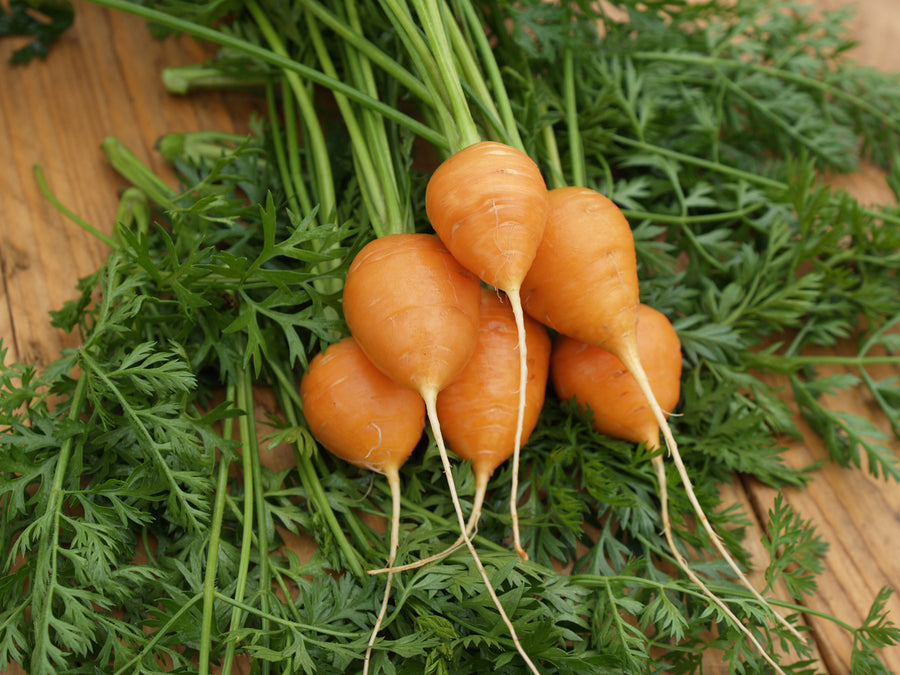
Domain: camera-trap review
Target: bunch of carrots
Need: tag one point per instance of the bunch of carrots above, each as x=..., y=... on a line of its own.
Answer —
x=456, y=326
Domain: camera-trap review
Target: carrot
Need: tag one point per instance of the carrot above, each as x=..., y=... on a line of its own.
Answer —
x=415, y=311
x=583, y=283
x=488, y=203
x=362, y=416
x=478, y=410
x=599, y=382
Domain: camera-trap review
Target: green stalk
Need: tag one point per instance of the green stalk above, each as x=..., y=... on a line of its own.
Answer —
x=469, y=67
x=212, y=553
x=68, y=213
x=399, y=214
x=201, y=76
x=250, y=443
x=126, y=164
x=466, y=133
x=424, y=61
x=294, y=152
x=557, y=177
x=322, y=176
x=295, y=190
x=417, y=49
x=497, y=95
x=247, y=466
x=576, y=148
x=279, y=60
x=368, y=176
x=351, y=33
x=45, y=571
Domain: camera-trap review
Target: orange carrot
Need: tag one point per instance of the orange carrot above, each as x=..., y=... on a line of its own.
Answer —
x=362, y=416
x=599, y=382
x=584, y=284
x=488, y=203
x=478, y=410
x=414, y=311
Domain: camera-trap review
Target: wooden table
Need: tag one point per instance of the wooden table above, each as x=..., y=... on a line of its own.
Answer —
x=103, y=79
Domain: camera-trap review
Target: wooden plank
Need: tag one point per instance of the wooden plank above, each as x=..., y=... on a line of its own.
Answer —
x=103, y=79
x=857, y=514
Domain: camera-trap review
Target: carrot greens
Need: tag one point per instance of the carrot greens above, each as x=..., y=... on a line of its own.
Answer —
x=141, y=520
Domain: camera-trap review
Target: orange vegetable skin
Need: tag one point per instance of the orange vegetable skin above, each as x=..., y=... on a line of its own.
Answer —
x=357, y=412
x=583, y=281
x=488, y=203
x=478, y=410
x=600, y=382
x=413, y=309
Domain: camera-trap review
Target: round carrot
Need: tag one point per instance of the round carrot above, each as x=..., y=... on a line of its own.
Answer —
x=414, y=311
x=362, y=416
x=599, y=381
x=583, y=283
x=488, y=203
x=478, y=411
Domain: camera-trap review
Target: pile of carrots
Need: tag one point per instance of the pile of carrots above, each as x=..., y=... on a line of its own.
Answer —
x=453, y=327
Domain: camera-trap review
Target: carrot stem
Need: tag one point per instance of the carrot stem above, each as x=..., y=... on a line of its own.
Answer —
x=576, y=148
x=295, y=191
x=67, y=212
x=431, y=406
x=212, y=552
x=237, y=615
x=354, y=38
x=433, y=25
x=314, y=136
x=498, y=98
x=374, y=195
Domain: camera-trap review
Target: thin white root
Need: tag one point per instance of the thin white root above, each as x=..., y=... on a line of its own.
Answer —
x=633, y=363
x=480, y=490
x=659, y=465
x=431, y=407
x=393, y=478
x=516, y=303
x=713, y=535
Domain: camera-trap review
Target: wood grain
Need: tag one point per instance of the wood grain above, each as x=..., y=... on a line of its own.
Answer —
x=103, y=79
